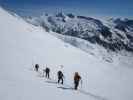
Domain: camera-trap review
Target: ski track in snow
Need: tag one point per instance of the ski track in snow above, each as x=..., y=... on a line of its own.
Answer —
x=65, y=86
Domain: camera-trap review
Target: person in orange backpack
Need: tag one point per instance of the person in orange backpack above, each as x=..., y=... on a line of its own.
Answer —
x=77, y=78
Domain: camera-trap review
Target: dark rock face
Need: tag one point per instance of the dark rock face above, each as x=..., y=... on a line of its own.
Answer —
x=124, y=24
x=70, y=15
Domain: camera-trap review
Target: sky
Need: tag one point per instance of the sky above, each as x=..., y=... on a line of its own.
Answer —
x=102, y=8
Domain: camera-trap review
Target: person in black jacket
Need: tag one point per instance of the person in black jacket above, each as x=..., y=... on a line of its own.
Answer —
x=47, y=71
x=60, y=77
x=36, y=67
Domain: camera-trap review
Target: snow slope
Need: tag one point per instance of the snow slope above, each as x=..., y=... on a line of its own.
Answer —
x=23, y=45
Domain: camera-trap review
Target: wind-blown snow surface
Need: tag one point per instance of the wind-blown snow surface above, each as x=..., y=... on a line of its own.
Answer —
x=23, y=45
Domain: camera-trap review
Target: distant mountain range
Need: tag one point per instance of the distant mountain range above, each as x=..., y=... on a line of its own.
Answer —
x=114, y=34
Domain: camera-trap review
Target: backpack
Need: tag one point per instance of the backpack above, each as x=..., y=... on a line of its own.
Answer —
x=36, y=66
x=77, y=77
x=47, y=70
x=60, y=74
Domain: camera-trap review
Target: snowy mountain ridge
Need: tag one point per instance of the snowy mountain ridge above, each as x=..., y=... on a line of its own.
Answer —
x=113, y=34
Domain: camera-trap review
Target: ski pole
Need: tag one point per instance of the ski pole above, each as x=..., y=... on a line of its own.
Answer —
x=33, y=65
x=81, y=83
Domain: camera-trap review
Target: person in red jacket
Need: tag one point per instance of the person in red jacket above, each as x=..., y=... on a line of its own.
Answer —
x=77, y=78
